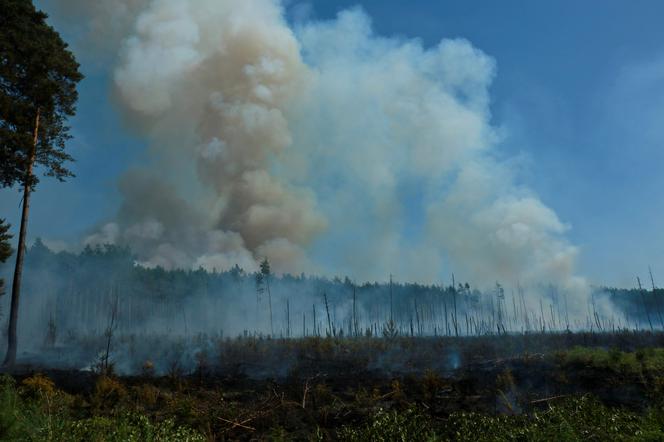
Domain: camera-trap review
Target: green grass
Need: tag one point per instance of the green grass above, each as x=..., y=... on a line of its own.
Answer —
x=576, y=419
x=36, y=411
x=387, y=426
x=645, y=360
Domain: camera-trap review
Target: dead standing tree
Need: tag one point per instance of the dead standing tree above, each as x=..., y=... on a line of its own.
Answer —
x=656, y=298
x=455, y=321
x=355, y=331
x=105, y=366
x=643, y=299
x=331, y=331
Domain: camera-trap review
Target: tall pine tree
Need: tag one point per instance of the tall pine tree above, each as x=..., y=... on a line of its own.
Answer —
x=38, y=78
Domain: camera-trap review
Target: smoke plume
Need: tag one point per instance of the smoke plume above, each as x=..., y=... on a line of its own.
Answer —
x=321, y=146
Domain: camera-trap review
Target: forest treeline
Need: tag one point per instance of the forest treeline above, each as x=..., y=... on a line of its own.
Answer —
x=76, y=293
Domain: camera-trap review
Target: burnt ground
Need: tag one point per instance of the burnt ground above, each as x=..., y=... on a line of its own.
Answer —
x=254, y=388
x=300, y=387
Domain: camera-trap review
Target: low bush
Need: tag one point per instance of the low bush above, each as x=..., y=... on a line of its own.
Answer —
x=37, y=411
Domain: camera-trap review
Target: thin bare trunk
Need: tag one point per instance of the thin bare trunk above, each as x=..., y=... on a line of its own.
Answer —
x=331, y=331
x=288, y=330
x=454, y=318
x=657, y=299
x=645, y=306
x=354, y=312
x=112, y=325
x=10, y=358
x=391, y=308
x=315, y=323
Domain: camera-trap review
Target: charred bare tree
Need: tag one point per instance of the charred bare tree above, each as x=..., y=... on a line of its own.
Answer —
x=658, y=300
x=643, y=300
x=330, y=329
x=105, y=364
x=355, y=331
x=454, y=302
x=391, y=306
x=315, y=323
x=288, y=329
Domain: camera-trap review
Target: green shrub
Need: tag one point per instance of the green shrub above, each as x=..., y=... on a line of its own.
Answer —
x=39, y=412
x=388, y=426
x=129, y=428
x=577, y=419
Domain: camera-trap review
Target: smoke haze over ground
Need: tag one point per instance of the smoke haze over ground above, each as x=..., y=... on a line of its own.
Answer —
x=322, y=146
x=79, y=305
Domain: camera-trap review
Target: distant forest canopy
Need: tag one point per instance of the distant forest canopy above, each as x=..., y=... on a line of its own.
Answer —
x=76, y=291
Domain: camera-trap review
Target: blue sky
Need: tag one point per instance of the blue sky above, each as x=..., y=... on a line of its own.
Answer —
x=579, y=93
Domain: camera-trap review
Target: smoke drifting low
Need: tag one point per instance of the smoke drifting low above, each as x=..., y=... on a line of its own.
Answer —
x=325, y=148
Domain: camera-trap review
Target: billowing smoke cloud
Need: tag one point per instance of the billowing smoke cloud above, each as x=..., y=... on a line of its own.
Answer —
x=322, y=147
x=209, y=83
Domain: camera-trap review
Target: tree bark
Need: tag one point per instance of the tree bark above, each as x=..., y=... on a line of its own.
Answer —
x=10, y=358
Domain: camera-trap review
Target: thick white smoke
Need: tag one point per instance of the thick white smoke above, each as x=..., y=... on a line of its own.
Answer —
x=209, y=83
x=323, y=148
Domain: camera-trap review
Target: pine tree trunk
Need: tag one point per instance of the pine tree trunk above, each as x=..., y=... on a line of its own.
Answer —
x=10, y=358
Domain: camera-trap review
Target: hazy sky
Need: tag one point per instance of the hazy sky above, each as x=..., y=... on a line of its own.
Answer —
x=578, y=96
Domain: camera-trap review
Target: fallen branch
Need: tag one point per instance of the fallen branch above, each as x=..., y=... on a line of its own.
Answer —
x=307, y=388
x=539, y=401
x=304, y=395
x=238, y=424
x=506, y=401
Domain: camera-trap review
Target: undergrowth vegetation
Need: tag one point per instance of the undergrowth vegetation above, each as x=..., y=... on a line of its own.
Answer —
x=639, y=361
x=576, y=419
x=35, y=410
x=568, y=395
